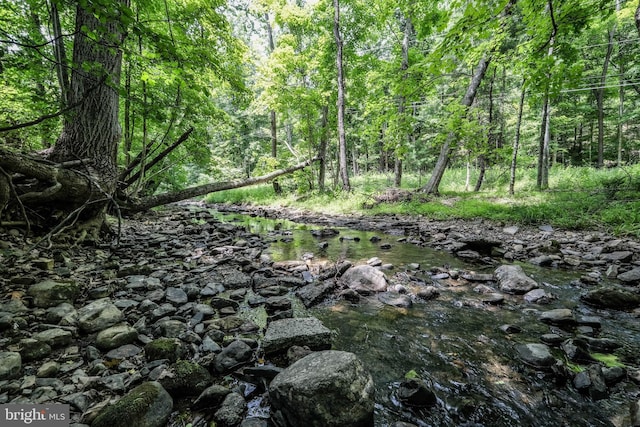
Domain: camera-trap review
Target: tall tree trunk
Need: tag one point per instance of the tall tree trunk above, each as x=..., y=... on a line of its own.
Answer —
x=432, y=185
x=542, y=181
x=60, y=55
x=404, y=66
x=482, y=158
x=322, y=152
x=342, y=141
x=272, y=113
x=93, y=132
x=600, y=92
x=516, y=140
x=620, y=98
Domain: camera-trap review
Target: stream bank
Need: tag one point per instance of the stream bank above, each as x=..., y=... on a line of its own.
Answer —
x=205, y=286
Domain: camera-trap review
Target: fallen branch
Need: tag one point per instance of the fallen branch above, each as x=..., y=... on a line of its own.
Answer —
x=201, y=190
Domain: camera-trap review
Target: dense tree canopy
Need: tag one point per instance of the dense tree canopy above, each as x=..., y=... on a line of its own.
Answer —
x=154, y=96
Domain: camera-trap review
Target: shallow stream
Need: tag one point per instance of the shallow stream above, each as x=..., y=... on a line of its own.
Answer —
x=455, y=342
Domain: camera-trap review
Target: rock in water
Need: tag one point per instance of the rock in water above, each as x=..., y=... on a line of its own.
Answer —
x=148, y=405
x=324, y=389
x=365, y=279
x=305, y=331
x=535, y=354
x=613, y=297
x=513, y=280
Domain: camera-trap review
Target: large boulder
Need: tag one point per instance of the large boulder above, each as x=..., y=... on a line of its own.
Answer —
x=324, y=389
x=306, y=331
x=513, y=280
x=148, y=405
x=365, y=279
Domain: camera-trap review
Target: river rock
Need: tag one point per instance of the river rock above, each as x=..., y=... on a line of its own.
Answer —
x=559, y=316
x=513, y=280
x=395, y=299
x=537, y=296
x=33, y=349
x=612, y=297
x=164, y=348
x=116, y=336
x=284, y=333
x=315, y=292
x=577, y=350
x=211, y=397
x=55, y=314
x=535, y=354
x=631, y=277
x=148, y=405
x=10, y=365
x=617, y=256
x=365, y=279
x=591, y=381
x=231, y=411
x=54, y=337
x=185, y=378
x=98, y=315
x=233, y=355
x=327, y=388
x=49, y=293
x=414, y=392
x=176, y=296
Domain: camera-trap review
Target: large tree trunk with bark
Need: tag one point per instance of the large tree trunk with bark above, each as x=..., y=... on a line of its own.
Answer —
x=77, y=182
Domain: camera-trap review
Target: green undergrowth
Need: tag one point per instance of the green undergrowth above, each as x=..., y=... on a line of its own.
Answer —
x=578, y=198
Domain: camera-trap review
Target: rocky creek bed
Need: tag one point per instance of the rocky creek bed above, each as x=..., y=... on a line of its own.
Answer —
x=188, y=321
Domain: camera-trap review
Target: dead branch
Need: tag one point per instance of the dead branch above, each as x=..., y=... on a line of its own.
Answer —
x=201, y=190
x=160, y=156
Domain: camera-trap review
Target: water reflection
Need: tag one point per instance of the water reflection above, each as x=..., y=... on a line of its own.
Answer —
x=454, y=342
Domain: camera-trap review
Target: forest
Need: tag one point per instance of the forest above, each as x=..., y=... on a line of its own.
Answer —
x=121, y=106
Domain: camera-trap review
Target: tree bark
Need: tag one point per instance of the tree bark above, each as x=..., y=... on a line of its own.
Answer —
x=600, y=92
x=60, y=55
x=93, y=131
x=516, y=140
x=342, y=141
x=432, y=185
x=542, y=180
x=322, y=152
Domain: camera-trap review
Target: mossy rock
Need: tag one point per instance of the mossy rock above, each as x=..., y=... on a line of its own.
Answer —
x=186, y=379
x=164, y=348
x=148, y=405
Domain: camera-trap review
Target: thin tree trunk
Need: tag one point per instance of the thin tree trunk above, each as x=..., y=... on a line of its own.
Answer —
x=60, y=55
x=542, y=181
x=600, y=92
x=404, y=66
x=342, y=141
x=620, y=98
x=443, y=159
x=482, y=158
x=272, y=114
x=322, y=152
x=516, y=141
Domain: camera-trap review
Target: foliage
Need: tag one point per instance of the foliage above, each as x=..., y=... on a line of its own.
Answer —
x=608, y=360
x=580, y=202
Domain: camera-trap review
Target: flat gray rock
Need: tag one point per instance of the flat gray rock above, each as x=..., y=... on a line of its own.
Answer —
x=284, y=333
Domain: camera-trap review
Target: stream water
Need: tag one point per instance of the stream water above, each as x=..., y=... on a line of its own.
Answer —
x=455, y=343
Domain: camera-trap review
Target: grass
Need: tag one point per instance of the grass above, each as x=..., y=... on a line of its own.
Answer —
x=578, y=198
